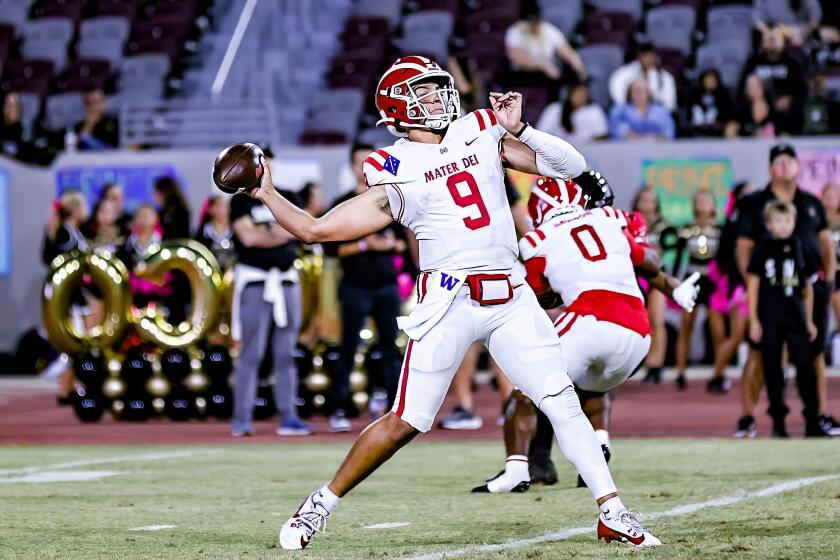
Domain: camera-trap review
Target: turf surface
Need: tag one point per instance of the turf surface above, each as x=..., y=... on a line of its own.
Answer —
x=229, y=502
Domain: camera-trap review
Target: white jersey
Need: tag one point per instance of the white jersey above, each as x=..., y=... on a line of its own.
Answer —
x=451, y=195
x=583, y=252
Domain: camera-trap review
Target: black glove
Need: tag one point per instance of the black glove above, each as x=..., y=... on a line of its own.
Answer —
x=596, y=187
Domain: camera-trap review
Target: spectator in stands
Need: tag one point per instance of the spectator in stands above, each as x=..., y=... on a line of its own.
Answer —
x=368, y=288
x=661, y=83
x=174, y=211
x=821, y=109
x=640, y=118
x=754, y=115
x=781, y=298
x=214, y=230
x=103, y=230
x=12, y=143
x=710, y=106
x=796, y=19
x=783, y=75
x=97, y=131
x=578, y=118
x=815, y=237
x=533, y=47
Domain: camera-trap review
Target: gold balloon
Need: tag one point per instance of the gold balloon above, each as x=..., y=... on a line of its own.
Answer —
x=159, y=405
x=114, y=387
x=117, y=408
x=158, y=386
x=202, y=270
x=196, y=382
x=360, y=399
x=109, y=274
x=310, y=267
x=317, y=382
x=319, y=401
x=358, y=381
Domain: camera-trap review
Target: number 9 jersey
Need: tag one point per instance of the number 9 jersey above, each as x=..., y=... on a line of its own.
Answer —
x=451, y=195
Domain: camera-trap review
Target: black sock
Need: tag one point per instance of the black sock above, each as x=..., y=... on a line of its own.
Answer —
x=541, y=444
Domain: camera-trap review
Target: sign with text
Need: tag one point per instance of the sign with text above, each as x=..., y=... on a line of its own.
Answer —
x=137, y=180
x=817, y=169
x=5, y=226
x=677, y=180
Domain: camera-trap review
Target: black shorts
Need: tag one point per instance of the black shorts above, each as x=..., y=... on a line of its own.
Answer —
x=707, y=288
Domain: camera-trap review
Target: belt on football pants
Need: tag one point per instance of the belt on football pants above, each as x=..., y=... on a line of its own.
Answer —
x=490, y=289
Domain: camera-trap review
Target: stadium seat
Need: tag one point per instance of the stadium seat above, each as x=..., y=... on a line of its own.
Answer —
x=509, y=9
x=565, y=14
x=28, y=76
x=46, y=50
x=609, y=27
x=696, y=4
x=601, y=61
x=729, y=23
x=365, y=27
x=451, y=6
x=7, y=37
x=63, y=110
x=103, y=49
x=330, y=100
x=83, y=75
x=143, y=72
x=377, y=137
x=68, y=9
x=389, y=10
x=115, y=28
x=427, y=32
x=314, y=137
x=671, y=27
x=631, y=7
x=14, y=12
x=56, y=29
x=120, y=8
x=726, y=56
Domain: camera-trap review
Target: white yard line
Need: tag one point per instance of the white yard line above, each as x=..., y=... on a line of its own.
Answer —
x=674, y=512
x=153, y=528
x=387, y=525
x=159, y=456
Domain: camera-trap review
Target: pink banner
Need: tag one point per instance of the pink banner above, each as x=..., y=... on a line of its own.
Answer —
x=818, y=169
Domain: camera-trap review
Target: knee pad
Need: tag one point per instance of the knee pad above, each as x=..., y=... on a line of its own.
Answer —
x=563, y=397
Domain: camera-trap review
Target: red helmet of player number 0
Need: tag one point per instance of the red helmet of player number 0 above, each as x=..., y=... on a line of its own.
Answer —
x=549, y=197
x=399, y=104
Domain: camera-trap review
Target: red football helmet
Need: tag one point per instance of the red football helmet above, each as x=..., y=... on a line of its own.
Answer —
x=548, y=197
x=401, y=107
x=637, y=227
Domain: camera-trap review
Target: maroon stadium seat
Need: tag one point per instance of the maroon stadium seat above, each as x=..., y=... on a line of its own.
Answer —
x=7, y=38
x=124, y=8
x=321, y=137
x=84, y=75
x=365, y=27
x=70, y=9
x=28, y=76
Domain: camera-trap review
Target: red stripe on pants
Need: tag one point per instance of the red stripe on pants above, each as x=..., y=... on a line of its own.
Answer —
x=401, y=408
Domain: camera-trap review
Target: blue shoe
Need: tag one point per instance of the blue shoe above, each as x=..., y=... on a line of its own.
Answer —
x=294, y=427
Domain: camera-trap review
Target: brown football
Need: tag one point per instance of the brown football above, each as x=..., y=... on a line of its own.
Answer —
x=238, y=168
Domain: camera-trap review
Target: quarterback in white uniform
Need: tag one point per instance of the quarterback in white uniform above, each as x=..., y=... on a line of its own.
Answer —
x=443, y=180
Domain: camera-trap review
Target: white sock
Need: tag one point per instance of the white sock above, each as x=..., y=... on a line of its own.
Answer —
x=517, y=467
x=516, y=471
x=612, y=507
x=577, y=440
x=603, y=437
x=327, y=497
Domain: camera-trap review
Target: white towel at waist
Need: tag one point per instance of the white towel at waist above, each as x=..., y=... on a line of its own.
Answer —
x=243, y=275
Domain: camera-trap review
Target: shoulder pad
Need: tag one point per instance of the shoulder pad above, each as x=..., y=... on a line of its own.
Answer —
x=530, y=243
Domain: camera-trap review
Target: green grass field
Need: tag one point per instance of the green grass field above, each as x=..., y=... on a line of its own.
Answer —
x=229, y=502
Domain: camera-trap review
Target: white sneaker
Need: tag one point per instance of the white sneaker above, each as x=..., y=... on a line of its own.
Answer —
x=626, y=528
x=338, y=422
x=310, y=518
x=503, y=482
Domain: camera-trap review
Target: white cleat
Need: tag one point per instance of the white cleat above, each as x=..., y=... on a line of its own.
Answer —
x=310, y=518
x=625, y=528
x=504, y=482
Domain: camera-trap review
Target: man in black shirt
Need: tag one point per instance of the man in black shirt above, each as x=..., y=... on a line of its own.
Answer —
x=781, y=302
x=779, y=70
x=368, y=287
x=817, y=248
x=267, y=299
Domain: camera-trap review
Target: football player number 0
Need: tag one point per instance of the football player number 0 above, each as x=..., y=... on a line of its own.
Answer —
x=590, y=245
x=471, y=199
